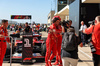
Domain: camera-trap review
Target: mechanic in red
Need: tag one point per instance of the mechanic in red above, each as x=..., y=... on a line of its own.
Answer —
x=59, y=42
x=3, y=32
x=37, y=26
x=95, y=31
x=51, y=42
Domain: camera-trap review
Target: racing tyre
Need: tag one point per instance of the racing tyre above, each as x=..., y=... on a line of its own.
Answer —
x=7, y=54
x=43, y=49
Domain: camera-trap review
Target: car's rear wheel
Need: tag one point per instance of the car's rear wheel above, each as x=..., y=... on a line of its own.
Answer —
x=7, y=54
x=43, y=49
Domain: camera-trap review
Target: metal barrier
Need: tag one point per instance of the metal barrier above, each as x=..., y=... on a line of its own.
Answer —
x=10, y=50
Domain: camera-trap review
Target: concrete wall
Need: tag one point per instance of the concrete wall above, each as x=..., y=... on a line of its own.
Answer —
x=82, y=11
x=74, y=14
x=62, y=17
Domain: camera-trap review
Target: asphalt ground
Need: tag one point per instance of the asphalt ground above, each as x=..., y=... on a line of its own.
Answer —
x=85, y=57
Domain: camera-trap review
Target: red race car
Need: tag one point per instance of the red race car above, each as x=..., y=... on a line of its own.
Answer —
x=39, y=47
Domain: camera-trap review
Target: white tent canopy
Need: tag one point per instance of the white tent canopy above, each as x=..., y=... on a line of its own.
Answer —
x=63, y=12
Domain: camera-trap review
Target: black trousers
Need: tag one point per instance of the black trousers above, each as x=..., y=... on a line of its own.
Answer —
x=96, y=60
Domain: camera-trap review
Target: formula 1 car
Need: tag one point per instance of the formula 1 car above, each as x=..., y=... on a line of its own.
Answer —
x=39, y=46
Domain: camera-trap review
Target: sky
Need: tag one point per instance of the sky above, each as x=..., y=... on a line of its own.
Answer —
x=39, y=9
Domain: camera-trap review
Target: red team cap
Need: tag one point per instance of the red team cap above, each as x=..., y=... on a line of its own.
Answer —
x=56, y=17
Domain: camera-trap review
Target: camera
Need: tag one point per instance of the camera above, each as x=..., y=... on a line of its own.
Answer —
x=90, y=40
x=92, y=48
x=91, y=22
x=91, y=45
x=64, y=23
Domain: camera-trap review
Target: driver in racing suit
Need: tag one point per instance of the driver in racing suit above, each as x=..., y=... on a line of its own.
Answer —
x=59, y=42
x=51, y=42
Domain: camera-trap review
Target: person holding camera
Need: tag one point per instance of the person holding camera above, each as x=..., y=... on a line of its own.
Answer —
x=95, y=31
x=83, y=36
x=70, y=44
x=69, y=57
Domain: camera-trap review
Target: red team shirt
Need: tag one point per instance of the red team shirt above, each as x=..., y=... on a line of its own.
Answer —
x=95, y=37
x=57, y=31
x=4, y=33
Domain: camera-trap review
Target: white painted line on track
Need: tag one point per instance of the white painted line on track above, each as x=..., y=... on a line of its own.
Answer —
x=85, y=54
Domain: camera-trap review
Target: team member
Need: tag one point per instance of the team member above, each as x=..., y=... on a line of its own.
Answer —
x=3, y=32
x=59, y=42
x=95, y=31
x=51, y=42
x=27, y=28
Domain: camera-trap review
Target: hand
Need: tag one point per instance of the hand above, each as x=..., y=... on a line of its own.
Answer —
x=81, y=44
x=10, y=44
x=82, y=31
x=24, y=29
x=1, y=36
x=15, y=44
x=50, y=30
x=91, y=25
x=76, y=34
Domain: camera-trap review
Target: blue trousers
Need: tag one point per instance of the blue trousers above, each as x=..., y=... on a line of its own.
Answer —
x=83, y=38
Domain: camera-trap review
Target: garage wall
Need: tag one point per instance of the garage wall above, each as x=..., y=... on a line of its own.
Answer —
x=89, y=11
x=74, y=14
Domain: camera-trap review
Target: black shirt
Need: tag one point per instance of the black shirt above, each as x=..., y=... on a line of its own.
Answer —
x=27, y=29
x=19, y=29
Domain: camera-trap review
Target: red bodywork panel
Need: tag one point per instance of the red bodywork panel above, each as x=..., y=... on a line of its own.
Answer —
x=35, y=40
x=15, y=57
